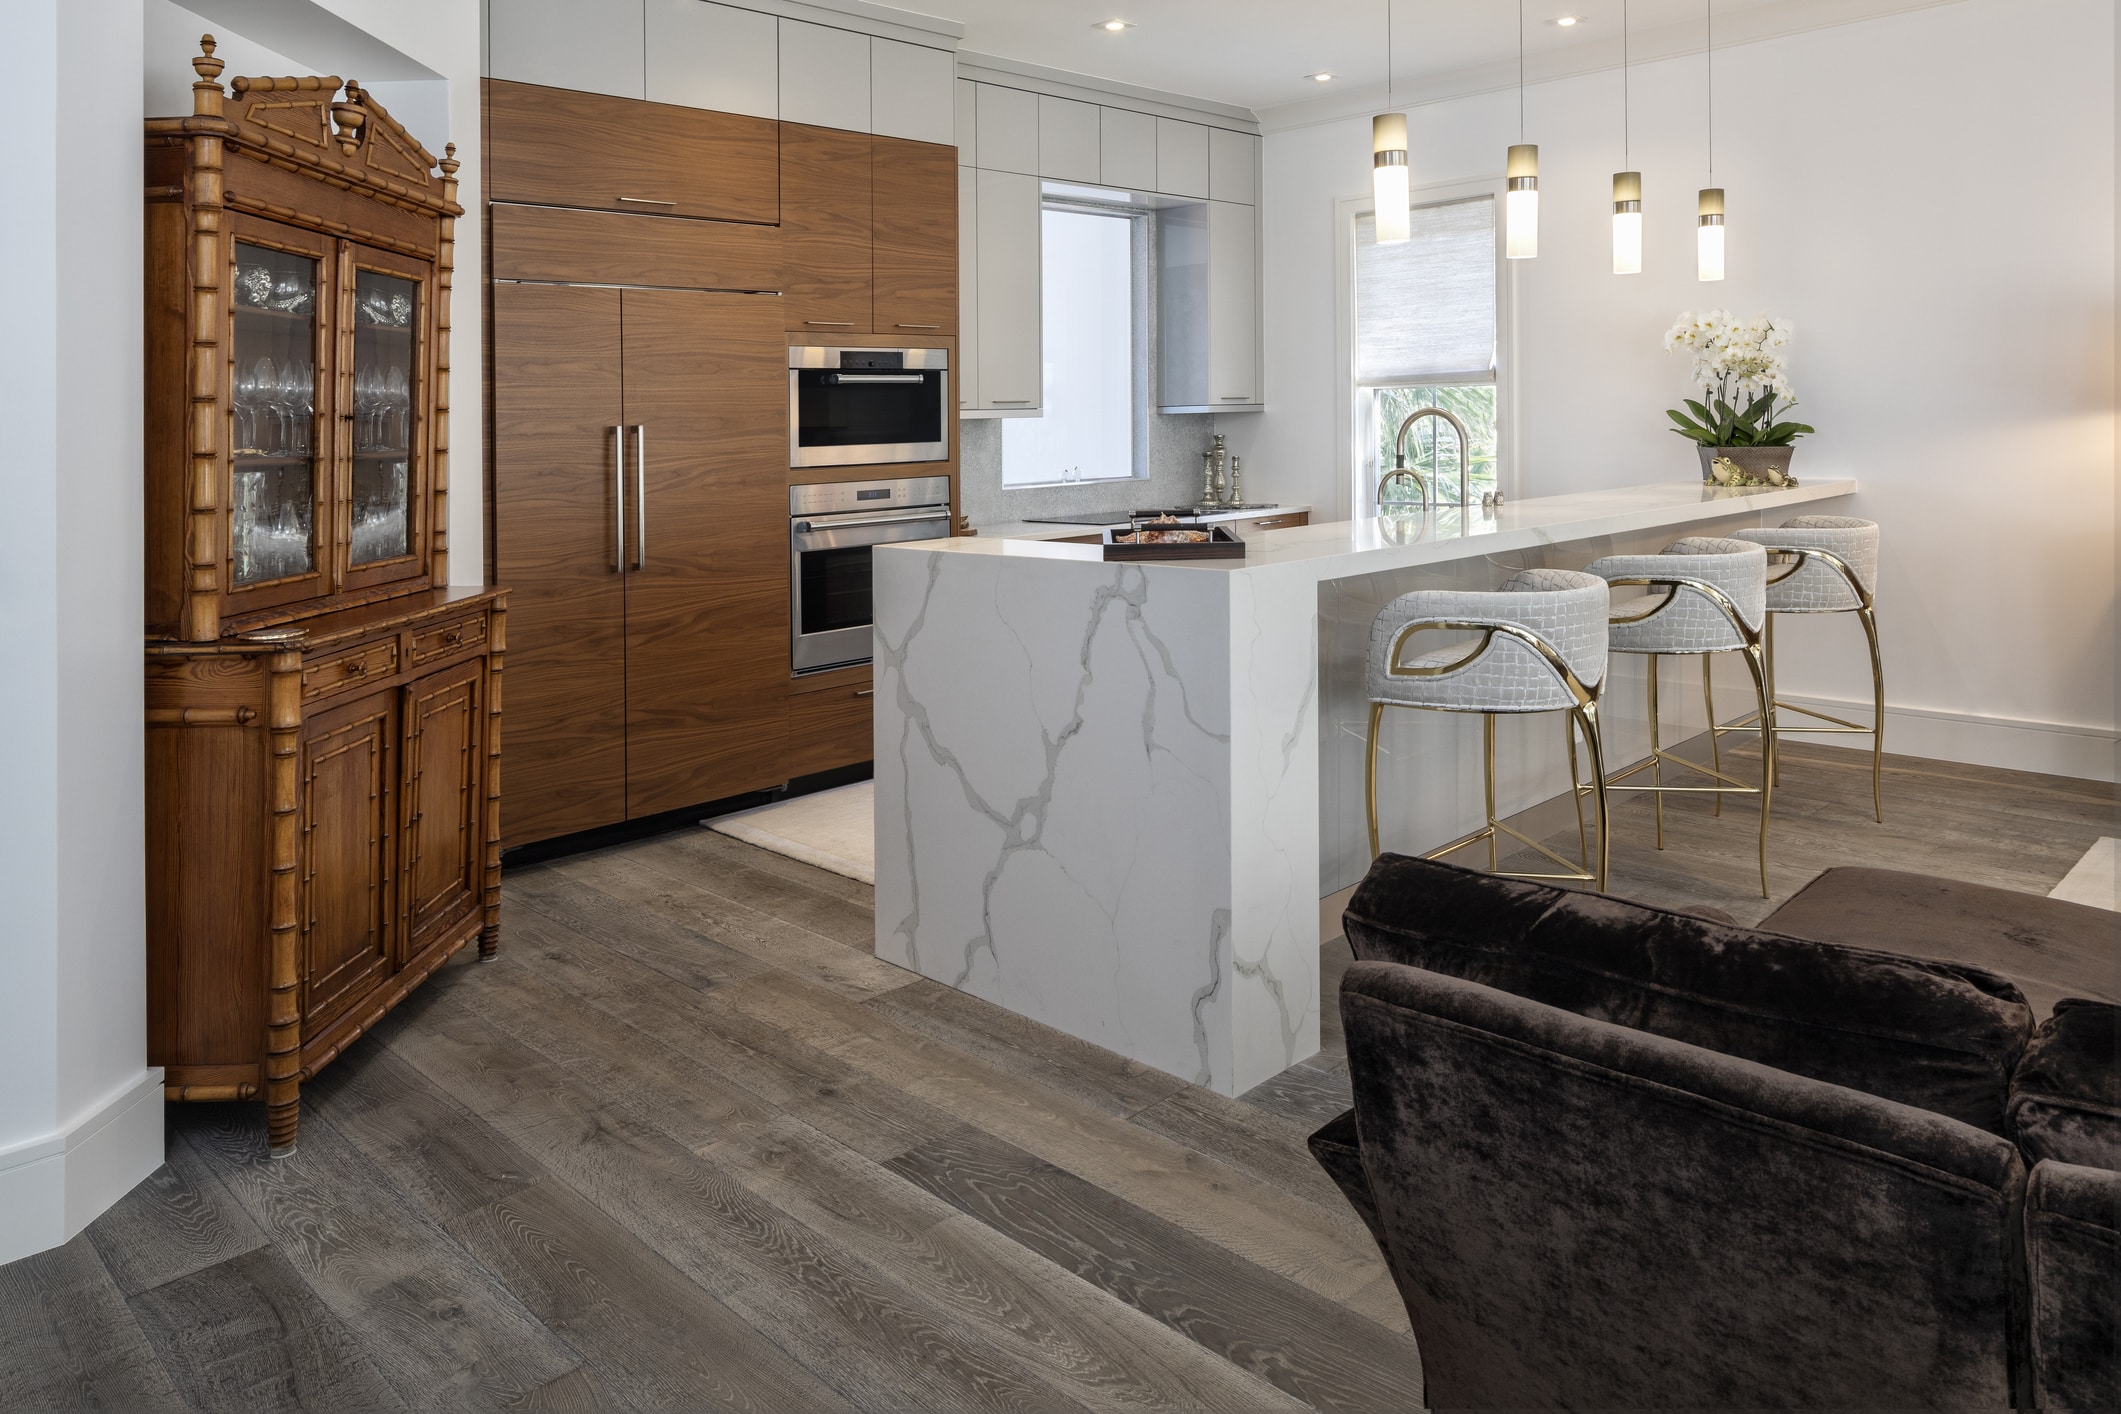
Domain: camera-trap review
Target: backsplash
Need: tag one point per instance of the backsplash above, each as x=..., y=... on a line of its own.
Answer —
x=1176, y=441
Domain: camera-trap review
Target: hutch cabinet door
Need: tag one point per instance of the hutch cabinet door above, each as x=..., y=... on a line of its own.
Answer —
x=706, y=660
x=914, y=202
x=281, y=285
x=444, y=800
x=388, y=428
x=556, y=518
x=348, y=802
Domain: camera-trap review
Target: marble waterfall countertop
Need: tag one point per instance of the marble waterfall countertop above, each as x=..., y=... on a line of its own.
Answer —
x=1105, y=798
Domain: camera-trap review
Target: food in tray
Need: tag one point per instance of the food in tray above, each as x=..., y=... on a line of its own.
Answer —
x=1150, y=536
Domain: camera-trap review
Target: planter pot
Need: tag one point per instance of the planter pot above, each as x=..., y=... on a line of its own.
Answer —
x=1756, y=462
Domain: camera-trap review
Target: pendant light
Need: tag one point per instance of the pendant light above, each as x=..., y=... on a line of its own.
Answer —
x=1388, y=159
x=1520, y=215
x=1708, y=231
x=1627, y=186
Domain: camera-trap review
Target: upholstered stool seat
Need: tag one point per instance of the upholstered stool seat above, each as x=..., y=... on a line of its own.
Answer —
x=1541, y=648
x=1826, y=565
x=1706, y=595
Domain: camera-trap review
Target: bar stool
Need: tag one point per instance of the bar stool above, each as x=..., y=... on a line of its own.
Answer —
x=1542, y=648
x=1834, y=566
x=1714, y=601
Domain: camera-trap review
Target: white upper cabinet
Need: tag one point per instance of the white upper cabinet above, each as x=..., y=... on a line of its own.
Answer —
x=1233, y=304
x=1011, y=355
x=967, y=287
x=1126, y=149
x=913, y=91
x=1181, y=158
x=967, y=122
x=1008, y=130
x=704, y=55
x=1067, y=139
x=592, y=45
x=824, y=76
x=1233, y=166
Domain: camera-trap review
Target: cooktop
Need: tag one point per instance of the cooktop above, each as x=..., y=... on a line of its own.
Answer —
x=1161, y=513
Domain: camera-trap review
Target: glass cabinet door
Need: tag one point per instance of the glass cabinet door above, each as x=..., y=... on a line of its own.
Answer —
x=385, y=425
x=273, y=407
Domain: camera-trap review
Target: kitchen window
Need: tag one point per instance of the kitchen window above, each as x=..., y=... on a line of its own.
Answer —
x=1093, y=425
x=1425, y=332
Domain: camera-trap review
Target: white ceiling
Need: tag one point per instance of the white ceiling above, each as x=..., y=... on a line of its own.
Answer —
x=1257, y=53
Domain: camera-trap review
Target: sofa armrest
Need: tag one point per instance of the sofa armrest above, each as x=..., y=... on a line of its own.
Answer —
x=1338, y=1149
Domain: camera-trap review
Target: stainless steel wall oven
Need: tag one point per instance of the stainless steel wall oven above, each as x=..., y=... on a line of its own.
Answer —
x=857, y=407
x=832, y=529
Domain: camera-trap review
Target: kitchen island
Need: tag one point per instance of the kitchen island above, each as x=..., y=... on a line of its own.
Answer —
x=1109, y=796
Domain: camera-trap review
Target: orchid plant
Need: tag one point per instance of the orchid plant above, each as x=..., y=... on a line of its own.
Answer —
x=1742, y=373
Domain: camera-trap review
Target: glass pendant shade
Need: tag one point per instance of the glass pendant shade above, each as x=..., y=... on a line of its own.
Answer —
x=1388, y=176
x=1520, y=212
x=1709, y=235
x=1627, y=223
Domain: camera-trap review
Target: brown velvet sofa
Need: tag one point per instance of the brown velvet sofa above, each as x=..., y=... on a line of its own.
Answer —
x=1618, y=1156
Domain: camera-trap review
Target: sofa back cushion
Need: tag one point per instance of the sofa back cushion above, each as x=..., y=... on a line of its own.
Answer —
x=1944, y=1037
x=2066, y=1093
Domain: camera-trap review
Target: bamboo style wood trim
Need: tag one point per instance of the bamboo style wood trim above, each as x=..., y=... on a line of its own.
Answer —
x=273, y=211
x=202, y=599
x=438, y=435
x=497, y=643
x=211, y=1093
x=201, y=716
x=344, y=1033
x=283, y=1018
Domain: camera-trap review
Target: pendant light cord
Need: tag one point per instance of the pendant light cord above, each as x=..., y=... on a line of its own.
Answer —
x=1709, y=58
x=1520, y=70
x=1388, y=56
x=1626, y=147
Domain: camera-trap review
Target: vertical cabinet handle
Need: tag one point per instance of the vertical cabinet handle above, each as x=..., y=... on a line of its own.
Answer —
x=618, y=491
x=640, y=496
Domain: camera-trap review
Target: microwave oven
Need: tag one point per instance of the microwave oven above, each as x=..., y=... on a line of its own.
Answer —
x=869, y=406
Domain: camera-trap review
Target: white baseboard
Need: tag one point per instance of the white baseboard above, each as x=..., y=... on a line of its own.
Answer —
x=53, y=1186
x=2050, y=748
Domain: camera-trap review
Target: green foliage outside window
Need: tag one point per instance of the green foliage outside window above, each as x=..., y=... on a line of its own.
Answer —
x=1431, y=443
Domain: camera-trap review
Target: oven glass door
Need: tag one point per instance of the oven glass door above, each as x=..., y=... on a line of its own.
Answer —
x=830, y=562
x=849, y=418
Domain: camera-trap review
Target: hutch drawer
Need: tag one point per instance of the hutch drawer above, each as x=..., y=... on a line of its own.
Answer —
x=371, y=662
x=445, y=639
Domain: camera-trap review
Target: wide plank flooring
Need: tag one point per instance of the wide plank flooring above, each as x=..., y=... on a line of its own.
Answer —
x=688, y=1144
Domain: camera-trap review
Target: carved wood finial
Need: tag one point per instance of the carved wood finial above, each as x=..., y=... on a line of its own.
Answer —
x=206, y=92
x=350, y=117
x=449, y=163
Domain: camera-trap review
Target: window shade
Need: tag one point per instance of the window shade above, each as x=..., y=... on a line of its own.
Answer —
x=1425, y=310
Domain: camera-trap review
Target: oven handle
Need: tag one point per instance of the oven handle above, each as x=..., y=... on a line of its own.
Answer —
x=817, y=524
x=875, y=378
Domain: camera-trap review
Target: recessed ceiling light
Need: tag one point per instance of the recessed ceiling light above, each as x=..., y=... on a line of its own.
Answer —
x=1320, y=78
x=1113, y=26
x=1566, y=21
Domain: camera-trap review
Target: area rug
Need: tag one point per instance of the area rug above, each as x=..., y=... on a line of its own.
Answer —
x=832, y=829
x=2093, y=879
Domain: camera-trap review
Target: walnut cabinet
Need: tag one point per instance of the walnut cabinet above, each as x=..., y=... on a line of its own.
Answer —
x=323, y=714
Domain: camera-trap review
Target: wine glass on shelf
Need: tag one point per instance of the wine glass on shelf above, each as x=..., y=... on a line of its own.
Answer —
x=266, y=380
x=298, y=396
x=400, y=410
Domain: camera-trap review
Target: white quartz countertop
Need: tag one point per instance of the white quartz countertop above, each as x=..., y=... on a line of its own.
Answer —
x=1053, y=530
x=1337, y=549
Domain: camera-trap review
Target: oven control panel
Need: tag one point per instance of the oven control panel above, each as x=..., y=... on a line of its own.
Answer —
x=840, y=497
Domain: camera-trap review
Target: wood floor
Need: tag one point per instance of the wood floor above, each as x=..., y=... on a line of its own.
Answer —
x=687, y=1144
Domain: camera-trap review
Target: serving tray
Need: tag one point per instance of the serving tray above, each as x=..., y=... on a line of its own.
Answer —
x=1221, y=543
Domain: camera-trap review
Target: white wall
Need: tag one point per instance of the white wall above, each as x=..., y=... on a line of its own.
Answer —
x=80, y=1115
x=1930, y=197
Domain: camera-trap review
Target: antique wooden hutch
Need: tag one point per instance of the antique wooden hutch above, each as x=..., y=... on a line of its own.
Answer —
x=323, y=711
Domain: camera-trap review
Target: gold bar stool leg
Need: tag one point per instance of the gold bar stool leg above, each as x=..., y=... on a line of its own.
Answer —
x=1708, y=698
x=1583, y=841
x=1870, y=631
x=1487, y=769
x=1656, y=754
x=1762, y=685
x=1766, y=718
x=1369, y=775
x=1587, y=718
